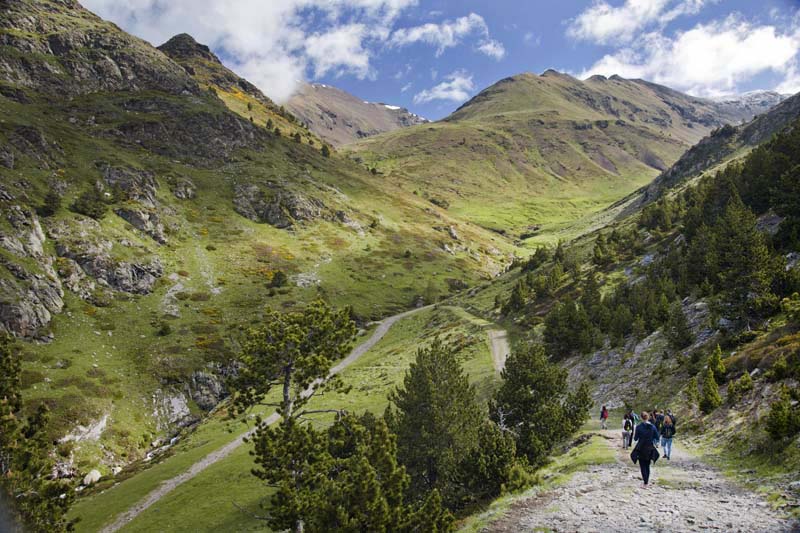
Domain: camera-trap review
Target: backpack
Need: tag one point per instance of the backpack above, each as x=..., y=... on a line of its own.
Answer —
x=628, y=426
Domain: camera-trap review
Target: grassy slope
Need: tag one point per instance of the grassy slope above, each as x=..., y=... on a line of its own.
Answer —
x=200, y=505
x=539, y=150
x=213, y=249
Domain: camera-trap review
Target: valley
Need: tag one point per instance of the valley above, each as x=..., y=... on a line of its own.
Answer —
x=482, y=281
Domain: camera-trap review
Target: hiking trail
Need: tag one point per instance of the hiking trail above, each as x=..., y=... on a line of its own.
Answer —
x=169, y=485
x=684, y=495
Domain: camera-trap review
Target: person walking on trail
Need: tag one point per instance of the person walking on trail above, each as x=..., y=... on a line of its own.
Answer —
x=604, y=418
x=627, y=431
x=645, y=452
x=672, y=416
x=667, y=432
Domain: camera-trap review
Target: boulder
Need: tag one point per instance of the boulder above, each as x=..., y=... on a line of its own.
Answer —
x=207, y=390
x=184, y=189
x=92, y=477
x=145, y=220
x=281, y=209
x=138, y=185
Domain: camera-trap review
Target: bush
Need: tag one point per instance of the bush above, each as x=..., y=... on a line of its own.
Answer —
x=91, y=204
x=51, y=205
x=782, y=420
x=710, y=399
x=739, y=388
x=279, y=279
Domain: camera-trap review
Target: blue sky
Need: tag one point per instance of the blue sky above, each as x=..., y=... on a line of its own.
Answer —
x=432, y=55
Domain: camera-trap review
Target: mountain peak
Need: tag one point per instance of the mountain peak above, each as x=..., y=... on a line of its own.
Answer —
x=184, y=46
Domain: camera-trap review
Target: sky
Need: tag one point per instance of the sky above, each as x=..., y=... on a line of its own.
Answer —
x=432, y=55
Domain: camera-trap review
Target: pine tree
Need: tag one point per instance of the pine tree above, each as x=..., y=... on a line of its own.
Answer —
x=90, y=203
x=38, y=502
x=782, y=421
x=716, y=365
x=744, y=260
x=436, y=418
x=297, y=138
x=326, y=152
x=534, y=403
x=677, y=329
x=692, y=394
x=710, y=399
x=291, y=351
x=270, y=124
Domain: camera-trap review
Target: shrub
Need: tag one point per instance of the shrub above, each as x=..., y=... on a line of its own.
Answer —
x=90, y=203
x=51, y=205
x=782, y=421
x=279, y=279
x=710, y=399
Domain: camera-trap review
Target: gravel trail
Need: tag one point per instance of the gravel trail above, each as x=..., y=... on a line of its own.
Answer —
x=684, y=495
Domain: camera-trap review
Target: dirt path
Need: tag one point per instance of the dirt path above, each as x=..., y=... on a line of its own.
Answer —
x=498, y=342
x=684, y=495
x=169, y=485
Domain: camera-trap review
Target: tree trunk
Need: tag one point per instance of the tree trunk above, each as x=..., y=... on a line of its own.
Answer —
x=288, y=402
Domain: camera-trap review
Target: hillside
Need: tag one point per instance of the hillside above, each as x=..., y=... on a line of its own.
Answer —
x=340, y=118
x=532, y=153
x=241, y=96
x=144, y=224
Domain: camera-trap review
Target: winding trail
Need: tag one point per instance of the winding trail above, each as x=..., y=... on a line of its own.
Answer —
x=498, y=343
x=169, y=485
x=684, y=495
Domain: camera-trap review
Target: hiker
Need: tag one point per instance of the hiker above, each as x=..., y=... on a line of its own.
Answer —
x=644, y=452
x=672, y=416
x=627, y=431
x=667, y=432
x=604, y=417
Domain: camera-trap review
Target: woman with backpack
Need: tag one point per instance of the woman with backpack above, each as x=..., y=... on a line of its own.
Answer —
x=644, y=452
x=604, y=418
x=667, y=432
x=627, y=431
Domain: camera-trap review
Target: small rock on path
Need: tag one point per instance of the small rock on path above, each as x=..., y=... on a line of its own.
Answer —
x=684, y=495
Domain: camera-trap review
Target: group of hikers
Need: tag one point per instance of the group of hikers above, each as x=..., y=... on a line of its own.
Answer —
x=651, y=430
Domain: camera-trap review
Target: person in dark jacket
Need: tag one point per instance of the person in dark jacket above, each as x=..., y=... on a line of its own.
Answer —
x=645, y=435
x=667, y=432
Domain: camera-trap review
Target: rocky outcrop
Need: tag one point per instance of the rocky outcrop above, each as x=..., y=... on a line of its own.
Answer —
x=31, y=293
x=277, y=208
x=207, y=390
x=184, y=189
x=70, y=51
x=145, y=220
x=137, y=185
x=93, y=255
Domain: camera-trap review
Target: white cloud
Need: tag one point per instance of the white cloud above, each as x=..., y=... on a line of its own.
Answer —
x=603, y=23
x=493, y=49
x=449, y=34
x=339, y=50
x=707, y=60
x=407, y=87
x=267, y=41
x=791, y=82
x=456, y=88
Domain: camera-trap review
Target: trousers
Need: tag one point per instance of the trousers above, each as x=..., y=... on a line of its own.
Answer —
x=644, y=466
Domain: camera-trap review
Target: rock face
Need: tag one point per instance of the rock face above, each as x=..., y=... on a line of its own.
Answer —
x=207, y=390
x=137, y=185
x=278, y=208
x=81, y=244
x=32, y=294
x=145, y=220
x=184, y=189
x=76, y=52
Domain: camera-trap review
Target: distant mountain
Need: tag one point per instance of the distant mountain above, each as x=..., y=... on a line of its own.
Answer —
x=753, y=102
x=543, y=150
x=340, y=118
x=723, y=144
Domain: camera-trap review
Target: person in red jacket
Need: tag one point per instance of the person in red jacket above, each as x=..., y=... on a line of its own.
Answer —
x=604, y=417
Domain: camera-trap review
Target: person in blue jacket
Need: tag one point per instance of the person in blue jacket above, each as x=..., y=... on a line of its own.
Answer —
x=645, y=436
